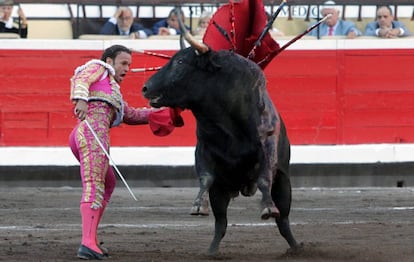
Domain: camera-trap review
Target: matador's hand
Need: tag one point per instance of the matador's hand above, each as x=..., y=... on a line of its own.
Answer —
x=81, y=109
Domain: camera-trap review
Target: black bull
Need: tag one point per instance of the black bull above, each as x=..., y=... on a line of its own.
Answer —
x=241, y=140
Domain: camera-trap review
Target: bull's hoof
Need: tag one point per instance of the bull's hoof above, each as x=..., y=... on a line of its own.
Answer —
x=213, y=250
x=296, y=251
x=269, y=212
x=199, y=211
x=249, y=190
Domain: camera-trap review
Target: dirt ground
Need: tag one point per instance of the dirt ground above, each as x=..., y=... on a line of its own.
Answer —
x=334, y=224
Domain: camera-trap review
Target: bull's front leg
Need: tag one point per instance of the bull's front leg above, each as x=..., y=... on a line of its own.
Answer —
x=219, y=200
x=200, y=204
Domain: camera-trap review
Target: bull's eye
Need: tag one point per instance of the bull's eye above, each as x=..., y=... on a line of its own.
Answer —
x=180, y=61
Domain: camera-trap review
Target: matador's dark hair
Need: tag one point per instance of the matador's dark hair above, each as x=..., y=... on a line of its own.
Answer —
x=113, y=51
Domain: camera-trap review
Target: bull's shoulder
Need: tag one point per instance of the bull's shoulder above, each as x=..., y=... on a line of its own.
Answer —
x=234, y=60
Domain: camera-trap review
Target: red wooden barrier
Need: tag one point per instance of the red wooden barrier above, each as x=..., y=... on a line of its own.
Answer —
x=333, y=96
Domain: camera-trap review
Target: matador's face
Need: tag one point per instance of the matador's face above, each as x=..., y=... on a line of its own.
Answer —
x=121, y=64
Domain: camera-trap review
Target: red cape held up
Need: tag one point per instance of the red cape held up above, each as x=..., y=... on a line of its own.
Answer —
x=244, y=22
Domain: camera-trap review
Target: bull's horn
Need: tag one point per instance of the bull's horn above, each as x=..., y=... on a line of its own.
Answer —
x=197, y=45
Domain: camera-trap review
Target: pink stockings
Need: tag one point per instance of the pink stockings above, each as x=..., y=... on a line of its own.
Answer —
x=90, y=221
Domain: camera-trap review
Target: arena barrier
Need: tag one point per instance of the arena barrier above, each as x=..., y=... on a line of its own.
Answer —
x=341, y=99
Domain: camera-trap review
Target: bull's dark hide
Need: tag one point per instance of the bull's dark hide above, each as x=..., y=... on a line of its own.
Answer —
x=241, y=139
x=223, y=91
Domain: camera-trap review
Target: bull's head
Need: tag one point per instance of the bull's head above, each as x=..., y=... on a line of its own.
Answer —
x=188, y=69
x=184, y=80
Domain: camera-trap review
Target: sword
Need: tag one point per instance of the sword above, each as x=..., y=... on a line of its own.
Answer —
x=110, y=158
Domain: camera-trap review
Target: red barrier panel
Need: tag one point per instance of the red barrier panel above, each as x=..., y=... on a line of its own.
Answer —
x=335, y=96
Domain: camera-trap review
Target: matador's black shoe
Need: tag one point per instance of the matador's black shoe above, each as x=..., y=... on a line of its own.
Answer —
x=86, y=253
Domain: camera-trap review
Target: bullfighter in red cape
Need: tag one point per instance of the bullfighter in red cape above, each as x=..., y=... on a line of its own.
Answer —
x=243, y=22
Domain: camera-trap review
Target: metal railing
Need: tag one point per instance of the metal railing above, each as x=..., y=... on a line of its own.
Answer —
x=78, y=14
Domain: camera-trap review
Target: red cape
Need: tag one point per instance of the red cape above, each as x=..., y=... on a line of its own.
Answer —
x=162, y=122
x=244, y=29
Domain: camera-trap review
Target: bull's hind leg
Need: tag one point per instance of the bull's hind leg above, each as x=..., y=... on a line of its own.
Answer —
x=265, y=182
x=282, y=196
x=200, y=204
x=219, y=200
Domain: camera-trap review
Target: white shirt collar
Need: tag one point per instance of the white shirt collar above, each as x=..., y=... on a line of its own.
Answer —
x=9, y=23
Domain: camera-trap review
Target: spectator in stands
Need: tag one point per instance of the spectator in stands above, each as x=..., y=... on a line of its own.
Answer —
x=122, y=23
x=169, y=25
x=385, y=26
x=335, y=26
x=203, y=23
x=10, y=25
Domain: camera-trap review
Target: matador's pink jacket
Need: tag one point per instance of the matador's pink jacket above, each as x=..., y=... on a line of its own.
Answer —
x=95, y=81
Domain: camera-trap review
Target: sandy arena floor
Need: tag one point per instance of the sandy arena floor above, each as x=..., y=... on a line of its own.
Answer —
x=341, y=224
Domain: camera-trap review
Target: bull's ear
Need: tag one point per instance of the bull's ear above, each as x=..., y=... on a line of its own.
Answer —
x=213, y=61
